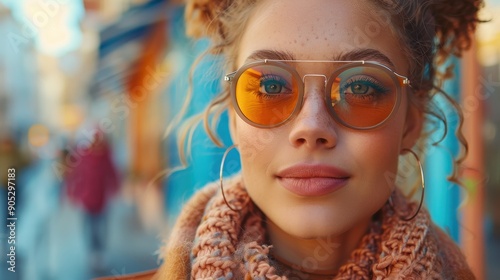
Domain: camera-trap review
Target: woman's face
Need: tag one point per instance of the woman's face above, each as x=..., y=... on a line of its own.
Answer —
x=312, y=144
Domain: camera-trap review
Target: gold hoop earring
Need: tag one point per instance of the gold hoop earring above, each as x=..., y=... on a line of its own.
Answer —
x=220, y=176
x=423, y=184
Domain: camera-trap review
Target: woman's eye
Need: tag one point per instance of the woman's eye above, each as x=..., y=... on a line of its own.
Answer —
x=359, y=88
x=363, y=86
x=271, y=87
x=273, y=84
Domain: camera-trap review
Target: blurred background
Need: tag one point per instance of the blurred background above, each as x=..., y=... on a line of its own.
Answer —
x=88, y=89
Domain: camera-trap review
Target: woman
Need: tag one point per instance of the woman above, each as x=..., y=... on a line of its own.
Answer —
x=324, y=97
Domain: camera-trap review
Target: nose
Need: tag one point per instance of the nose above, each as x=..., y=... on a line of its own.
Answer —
x=313, y=127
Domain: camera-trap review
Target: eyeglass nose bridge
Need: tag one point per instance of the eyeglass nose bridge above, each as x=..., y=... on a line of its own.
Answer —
x=314, y=75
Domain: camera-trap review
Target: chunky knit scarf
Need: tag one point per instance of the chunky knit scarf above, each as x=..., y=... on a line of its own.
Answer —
x=210, y=241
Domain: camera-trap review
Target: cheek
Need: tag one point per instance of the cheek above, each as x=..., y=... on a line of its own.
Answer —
x=258, y=149
x=255, y=146
x=376, y=155
x=374, y=151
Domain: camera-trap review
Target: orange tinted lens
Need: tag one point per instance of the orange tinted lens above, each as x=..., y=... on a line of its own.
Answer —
x=363, y=96
x=267, y=94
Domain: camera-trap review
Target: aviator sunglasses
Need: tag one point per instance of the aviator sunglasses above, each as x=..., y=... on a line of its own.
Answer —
x=358, y=94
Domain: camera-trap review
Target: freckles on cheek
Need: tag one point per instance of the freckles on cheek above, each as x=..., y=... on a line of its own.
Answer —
x=253, y=141
x=246, y=146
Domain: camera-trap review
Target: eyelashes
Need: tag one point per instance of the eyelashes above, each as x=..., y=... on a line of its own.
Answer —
x=269, y=86
x=362, y=87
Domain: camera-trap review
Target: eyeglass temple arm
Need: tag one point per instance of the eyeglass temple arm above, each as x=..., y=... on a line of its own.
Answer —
x=229, y=77
x=403, y=81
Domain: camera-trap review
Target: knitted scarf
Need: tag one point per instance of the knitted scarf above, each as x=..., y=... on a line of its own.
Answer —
x=211, y=241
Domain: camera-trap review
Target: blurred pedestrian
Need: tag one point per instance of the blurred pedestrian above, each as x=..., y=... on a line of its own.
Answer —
x=90, y=185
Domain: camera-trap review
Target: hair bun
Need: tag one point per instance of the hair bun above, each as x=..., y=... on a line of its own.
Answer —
x=201, y=17
x=455, y=23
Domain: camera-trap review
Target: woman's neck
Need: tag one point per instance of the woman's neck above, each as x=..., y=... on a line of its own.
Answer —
x=321, y=254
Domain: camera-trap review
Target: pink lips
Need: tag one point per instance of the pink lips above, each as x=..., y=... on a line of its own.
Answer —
x=312, y=179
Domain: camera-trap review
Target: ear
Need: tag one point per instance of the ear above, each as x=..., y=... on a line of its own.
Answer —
x=413, y=126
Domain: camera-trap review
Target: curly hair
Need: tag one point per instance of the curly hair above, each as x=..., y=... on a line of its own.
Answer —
x=430, y=31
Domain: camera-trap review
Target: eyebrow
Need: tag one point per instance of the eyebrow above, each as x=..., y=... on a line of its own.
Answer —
x=270, y=54
x=354, y=55
x=366, y=54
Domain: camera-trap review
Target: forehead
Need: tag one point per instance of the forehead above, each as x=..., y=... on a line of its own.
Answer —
x=320, y=29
